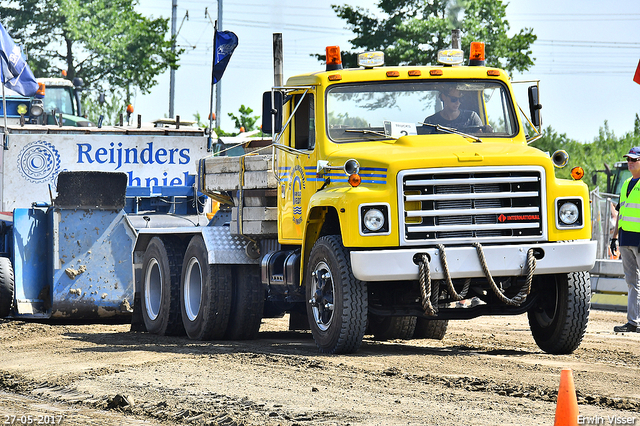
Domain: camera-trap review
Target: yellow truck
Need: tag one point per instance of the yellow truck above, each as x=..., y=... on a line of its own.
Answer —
x=390, y=201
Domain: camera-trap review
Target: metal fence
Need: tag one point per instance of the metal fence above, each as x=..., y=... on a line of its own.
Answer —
x=603, y=221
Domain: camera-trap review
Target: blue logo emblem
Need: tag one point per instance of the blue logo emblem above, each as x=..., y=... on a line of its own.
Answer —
x=39, y=162
x=297, y=185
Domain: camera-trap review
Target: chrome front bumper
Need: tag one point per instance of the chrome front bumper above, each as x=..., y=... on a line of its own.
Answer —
x=503, y=261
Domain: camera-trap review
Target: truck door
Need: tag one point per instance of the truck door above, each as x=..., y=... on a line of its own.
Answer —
x=295, y=168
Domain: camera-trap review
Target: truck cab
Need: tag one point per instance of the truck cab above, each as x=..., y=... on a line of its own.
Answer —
x=63, y=97
x=404, y=222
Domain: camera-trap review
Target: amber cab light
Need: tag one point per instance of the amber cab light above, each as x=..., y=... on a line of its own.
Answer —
x=577, y=173
x=435, y=72
x=334, y=60
x=393, y=74
x=355, y=180
x=40, y=92
x=415, y=73
x=476, y=53
x=493, y=73
x=335, y=77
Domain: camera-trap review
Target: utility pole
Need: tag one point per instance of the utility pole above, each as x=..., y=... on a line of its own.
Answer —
x=218, y=84
x=172, y=72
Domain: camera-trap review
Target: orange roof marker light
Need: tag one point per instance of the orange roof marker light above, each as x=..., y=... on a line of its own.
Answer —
x=41, y=90
x=476, y=54
x=450, y=57
x=334, y=60
x=371, y=59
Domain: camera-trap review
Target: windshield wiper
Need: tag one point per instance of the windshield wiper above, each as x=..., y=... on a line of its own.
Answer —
x=366, y=132
x=452, y=131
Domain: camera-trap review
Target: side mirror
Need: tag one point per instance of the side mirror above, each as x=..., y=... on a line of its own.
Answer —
x=272, y=110
x=534, y=106
x=78, y=83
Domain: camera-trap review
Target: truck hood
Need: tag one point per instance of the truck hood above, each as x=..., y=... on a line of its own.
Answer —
x=412, y=152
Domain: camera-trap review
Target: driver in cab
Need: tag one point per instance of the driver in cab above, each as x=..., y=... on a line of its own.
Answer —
x=452, y=116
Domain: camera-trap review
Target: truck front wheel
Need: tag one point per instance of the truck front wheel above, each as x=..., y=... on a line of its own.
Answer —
x=559, y=317
x=205, y=293
x=160, y=287
x=337, y=302
x=6, y=286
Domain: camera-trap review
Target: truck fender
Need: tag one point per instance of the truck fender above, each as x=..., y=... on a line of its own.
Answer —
x=322, y=217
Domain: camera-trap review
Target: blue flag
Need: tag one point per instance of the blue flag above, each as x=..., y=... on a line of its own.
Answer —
x=225, y=42
x=16, y=74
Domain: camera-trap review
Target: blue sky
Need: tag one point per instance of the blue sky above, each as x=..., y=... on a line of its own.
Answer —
x=586, y=55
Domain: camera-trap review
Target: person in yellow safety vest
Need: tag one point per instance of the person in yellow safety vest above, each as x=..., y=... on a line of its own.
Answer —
x=628, y=230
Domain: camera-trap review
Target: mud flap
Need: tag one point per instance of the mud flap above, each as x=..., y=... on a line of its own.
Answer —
x=90, y=189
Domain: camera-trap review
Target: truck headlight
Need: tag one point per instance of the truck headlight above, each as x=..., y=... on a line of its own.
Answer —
x=569, y=213
x=374, y=219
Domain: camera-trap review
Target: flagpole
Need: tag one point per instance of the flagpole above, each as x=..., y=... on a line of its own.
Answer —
x=4, y=110
x=213, y=70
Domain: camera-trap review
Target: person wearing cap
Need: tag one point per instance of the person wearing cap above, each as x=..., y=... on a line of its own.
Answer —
x=451, y=115
x=628, y=231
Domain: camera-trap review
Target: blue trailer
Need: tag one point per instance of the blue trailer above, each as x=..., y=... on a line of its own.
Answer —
x=72, y=258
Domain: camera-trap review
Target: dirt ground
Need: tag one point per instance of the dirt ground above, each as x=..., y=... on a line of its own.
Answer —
x=486, y=371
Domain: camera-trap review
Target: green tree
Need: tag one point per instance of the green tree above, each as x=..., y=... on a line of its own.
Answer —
x=110, y=109
x=244, y=119
x=410, y=32
x=105, y=42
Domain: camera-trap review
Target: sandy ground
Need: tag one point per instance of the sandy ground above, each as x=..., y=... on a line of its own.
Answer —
x=486, y=371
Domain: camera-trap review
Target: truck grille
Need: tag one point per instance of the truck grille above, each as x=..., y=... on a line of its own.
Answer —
x=471, y=204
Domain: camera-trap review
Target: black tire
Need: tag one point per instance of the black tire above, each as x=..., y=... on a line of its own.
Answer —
x=389, y=328
x=559, y=318
x=247, y=303
x=205, y=293
x=430, y=329
x=6, y=286
x=160, y=292
x=337, y=302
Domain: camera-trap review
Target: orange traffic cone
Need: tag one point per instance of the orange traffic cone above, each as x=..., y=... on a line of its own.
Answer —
x=567, y=405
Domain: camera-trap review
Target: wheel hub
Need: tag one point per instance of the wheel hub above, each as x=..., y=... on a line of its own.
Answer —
x=322, y=291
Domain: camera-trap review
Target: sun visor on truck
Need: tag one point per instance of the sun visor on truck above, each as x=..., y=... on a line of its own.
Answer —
x=91, y=190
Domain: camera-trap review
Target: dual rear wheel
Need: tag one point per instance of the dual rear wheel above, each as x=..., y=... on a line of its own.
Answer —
x=183, y=294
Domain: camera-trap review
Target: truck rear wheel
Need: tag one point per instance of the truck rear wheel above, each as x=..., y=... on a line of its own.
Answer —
x=389, y=328
x=247, y=303
x=160, y=297
x=6, y=286
x=430, y=329
x=205, y=293
x=559, y=318
x=337, y=302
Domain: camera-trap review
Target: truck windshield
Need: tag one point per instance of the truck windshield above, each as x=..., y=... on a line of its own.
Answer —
x=59, y=99
x=377, y=111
